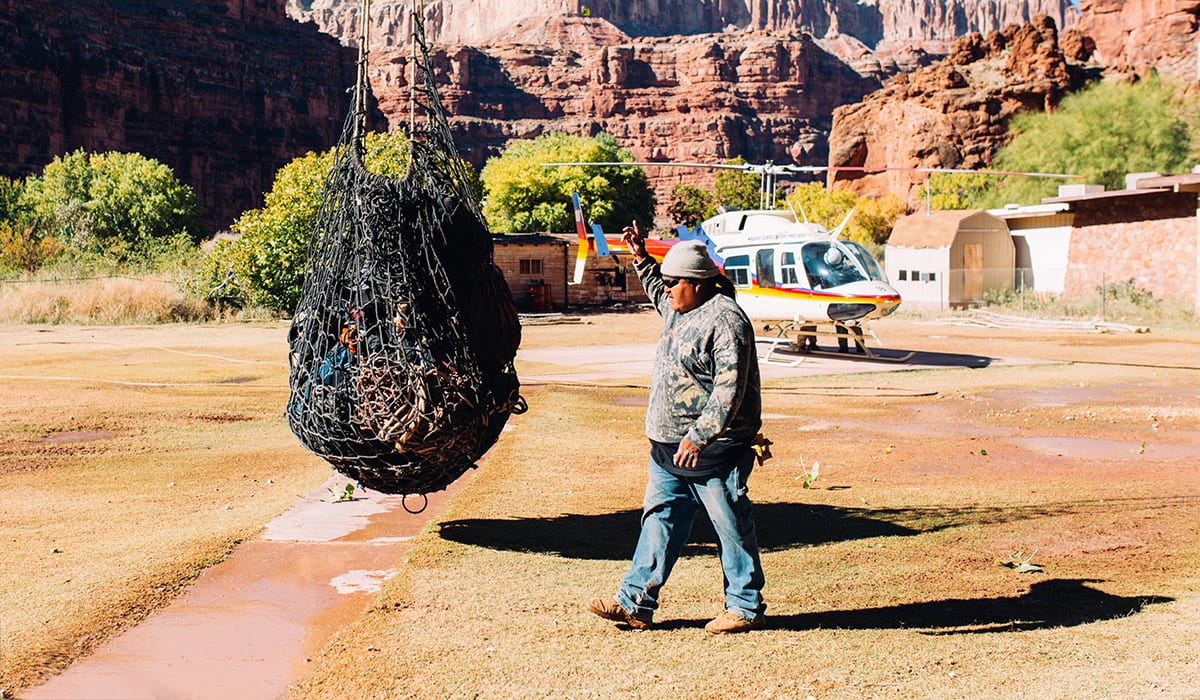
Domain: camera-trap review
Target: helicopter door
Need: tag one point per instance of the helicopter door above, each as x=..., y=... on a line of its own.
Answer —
x=766, y=268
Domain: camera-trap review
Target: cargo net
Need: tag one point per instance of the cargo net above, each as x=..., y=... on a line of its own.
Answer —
x=402, y=343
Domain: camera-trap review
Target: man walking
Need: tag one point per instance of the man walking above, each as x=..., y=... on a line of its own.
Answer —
x=702, y=419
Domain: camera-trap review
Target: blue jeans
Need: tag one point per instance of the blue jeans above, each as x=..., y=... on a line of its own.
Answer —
x=668, y=510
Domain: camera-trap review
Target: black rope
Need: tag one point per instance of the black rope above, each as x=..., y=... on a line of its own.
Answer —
x=403, y=340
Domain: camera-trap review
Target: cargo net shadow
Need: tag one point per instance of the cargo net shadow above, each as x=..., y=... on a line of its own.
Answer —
x=402, y=343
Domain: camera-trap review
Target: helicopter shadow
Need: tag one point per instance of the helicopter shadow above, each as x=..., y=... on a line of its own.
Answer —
x=1047, y=604
x=893, y=356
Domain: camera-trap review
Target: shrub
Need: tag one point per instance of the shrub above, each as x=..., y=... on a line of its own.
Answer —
x=263, y=264
x=115, y=204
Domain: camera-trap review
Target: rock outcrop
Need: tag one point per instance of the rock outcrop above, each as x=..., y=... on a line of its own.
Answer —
x=1133, y=35
x=761, y=95
x=223, y=91
x=955, y=114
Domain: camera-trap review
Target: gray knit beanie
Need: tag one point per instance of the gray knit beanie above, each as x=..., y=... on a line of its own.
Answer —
x=689, y=259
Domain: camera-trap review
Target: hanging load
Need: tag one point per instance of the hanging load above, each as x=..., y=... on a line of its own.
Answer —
x=402, y=343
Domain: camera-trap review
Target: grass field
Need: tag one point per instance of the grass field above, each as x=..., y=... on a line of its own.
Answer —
x=133, y=457
x=130, y=459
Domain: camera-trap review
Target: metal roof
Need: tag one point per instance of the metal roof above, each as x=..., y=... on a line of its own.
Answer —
x=938, y=229
x=1115, y=194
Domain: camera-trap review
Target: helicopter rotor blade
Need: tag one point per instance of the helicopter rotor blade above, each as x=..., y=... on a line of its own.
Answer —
x=716, y=166
x=961, y=171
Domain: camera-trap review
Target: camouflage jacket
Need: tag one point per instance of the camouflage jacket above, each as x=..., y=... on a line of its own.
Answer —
x=705, y=384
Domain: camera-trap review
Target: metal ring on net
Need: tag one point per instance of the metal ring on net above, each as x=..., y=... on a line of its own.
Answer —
x=424, y=503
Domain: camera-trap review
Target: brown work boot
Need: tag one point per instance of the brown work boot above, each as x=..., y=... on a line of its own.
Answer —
x=729, y=622
x=610, y=609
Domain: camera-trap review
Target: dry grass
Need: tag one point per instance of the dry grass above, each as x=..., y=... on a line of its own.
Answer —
x=103, y=301
x=130, y=459
x=882, y=582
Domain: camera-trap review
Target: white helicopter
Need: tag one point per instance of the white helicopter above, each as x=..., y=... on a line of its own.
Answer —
x=792, y=272
x=795, y=274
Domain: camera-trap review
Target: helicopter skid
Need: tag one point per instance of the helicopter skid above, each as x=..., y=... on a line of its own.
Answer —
x=801, y=337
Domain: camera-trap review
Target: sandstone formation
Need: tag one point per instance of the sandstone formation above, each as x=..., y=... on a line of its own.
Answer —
x=955, y=114
x=761, y=95
x=223, y=91
x=887, y=24
x=1133, y=35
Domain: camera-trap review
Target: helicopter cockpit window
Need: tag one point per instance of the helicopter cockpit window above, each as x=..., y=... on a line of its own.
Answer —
x=737, y=269
x=865, y=259
x=766, y=268
x=828, y=265
x=787, y=269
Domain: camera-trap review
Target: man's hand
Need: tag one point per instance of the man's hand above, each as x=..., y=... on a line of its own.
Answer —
x=688, y=455
x=634, y=241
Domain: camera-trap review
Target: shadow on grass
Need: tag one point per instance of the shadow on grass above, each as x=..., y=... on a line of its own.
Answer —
x=779, y=526
x=1052, y=603
x=613, y=535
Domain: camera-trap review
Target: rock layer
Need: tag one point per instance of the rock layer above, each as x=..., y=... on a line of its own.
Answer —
x=224, y=92
x=1133, y=35
x=761, y=95
x=891, y=23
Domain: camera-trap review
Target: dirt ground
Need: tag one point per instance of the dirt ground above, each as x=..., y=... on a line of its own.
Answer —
x=1067, y=449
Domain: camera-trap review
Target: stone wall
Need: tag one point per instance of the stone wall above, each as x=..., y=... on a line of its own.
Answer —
x=1150, y=239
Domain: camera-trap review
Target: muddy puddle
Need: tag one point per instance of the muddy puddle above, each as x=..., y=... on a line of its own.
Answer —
x=1094, y=448
x=249, y=625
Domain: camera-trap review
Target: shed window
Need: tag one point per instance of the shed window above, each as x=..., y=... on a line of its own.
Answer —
x=531, y=266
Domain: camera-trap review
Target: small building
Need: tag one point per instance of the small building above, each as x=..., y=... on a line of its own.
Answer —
x=535, y=267
x=1147, y=235
x=943, y=259
x=1041, y=236
x=540, y=269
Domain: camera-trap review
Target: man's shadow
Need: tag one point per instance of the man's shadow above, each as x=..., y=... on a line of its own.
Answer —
x=1049, y=603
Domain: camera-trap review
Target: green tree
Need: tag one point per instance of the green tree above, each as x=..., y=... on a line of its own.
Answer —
x=1101, y=133
x=22, y=245
x=873, y=220
x=264, y=264
x=736, y=189
x=11, y=192
x=523, y=195
x=959, y=190
x=690, y=204
x=813, y=202
x=115, y=203
x=873, y=217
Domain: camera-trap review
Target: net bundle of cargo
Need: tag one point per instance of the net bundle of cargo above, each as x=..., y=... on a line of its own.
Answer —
x=403, y=340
